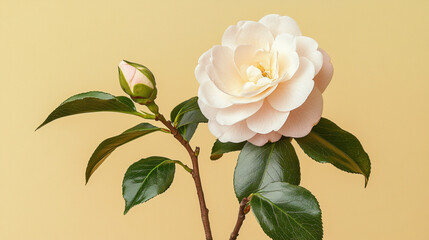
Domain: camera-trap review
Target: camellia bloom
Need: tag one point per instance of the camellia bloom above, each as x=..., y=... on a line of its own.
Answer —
x=137, y=81
x=265, y=80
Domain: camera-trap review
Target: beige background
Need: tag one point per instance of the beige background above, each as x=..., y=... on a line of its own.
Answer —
x=51, y=50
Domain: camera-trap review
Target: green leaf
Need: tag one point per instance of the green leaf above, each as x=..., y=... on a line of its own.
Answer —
x=286, y=212
x=188, y=131
x=176, y=110
x=259, y=166
x=146, y=179
x=187, y=112
x=190, y=117
x=91, y=102
x=109, y=145
x=219, y=148
x=186, y=117
x=327, y=143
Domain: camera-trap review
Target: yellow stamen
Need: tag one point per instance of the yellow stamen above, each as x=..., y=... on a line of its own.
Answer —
x=265, y=73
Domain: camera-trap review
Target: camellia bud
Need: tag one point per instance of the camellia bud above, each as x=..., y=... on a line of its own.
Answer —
x=138, y=82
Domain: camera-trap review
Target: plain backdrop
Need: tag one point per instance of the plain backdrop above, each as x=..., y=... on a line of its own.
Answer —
x=50, y=50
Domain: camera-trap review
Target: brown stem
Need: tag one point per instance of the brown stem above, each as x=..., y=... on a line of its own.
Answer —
x=195, y=174
x=242, y=211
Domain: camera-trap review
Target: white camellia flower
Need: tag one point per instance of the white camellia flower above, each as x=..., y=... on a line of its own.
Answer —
x=265, y=80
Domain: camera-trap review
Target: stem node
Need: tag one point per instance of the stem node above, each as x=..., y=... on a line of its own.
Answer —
x=197, y=151
x=242, y=211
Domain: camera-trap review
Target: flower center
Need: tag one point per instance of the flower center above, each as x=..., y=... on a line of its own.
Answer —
x=261, y=75
x=264, y=72
x=258, y=72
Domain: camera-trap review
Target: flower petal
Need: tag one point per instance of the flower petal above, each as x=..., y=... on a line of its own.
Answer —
x=267, y=119
x=301, y=120
x=288, y=65
x=230, y=35
x=285, y=47
x=261, y=139
x=293, y=93
x=200, y=70
x=206, y=110
x=228, y=38
x=248, y=33
x=237, y=113
x=139, y=77
x=212, y=96
x=223, y=72
x=307, y=47
x=280, y=24
x=284, y=43
x=238, y=132
x=250, y=99
x=248, y=55
x=128, y=71
x=324, y=76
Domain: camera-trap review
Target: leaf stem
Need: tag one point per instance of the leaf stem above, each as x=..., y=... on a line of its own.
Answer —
x=188, y=169
x=145, y=115
x=195, y=173
x=242, y=211
x=165, y=130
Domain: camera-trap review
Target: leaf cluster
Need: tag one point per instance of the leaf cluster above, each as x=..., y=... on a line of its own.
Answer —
x=269, y=176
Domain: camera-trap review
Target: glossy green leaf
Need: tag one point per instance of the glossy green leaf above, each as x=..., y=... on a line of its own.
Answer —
x=109, y=145
x=192, y=117
x=146, y=179
x=176, y=110
x=91, y=102
x=287, y=212
x=188, y=131
x=219, y=148
x=187, y=112
x=186, y=116
x=327, y=143
x=259, y=166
